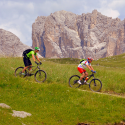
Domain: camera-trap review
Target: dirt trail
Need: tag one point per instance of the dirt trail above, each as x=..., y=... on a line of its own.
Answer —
x=116, y=95
x=108, y=93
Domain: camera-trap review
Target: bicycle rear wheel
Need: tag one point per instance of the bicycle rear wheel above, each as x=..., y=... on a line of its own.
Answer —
x=95, y=85
x=73, y=81
x=40, y=76
x=18, y=72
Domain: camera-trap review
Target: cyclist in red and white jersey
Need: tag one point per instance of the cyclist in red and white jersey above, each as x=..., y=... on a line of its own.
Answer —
x=81, y=68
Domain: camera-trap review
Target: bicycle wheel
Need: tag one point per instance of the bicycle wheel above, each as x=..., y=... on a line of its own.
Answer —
x=73, y=81
x=18, y=72
x=40, y=76
x=95, y=85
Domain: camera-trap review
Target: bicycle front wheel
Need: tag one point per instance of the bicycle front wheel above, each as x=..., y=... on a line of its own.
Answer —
x=18, y=72
x=95, y=85
x=73, y=81
x=40, y=76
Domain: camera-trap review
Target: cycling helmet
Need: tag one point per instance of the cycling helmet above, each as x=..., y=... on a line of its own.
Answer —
x=37, y=48
x=90, y=58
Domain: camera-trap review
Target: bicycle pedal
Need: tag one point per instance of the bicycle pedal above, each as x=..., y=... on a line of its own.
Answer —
x=31, y=74
x=25, y=75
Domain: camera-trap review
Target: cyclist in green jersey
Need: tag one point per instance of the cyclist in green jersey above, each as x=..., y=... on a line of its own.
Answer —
x=26, y=59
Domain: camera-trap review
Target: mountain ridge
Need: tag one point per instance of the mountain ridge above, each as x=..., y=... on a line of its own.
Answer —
x=10, y=45
x=64, y=34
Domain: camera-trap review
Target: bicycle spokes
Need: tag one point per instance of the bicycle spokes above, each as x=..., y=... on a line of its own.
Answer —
x=73, y=81
x=95, y=82
x=18, y=72
x=95, y=85
x=40, y=76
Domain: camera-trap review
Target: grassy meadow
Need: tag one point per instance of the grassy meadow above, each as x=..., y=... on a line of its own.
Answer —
x=54, y=102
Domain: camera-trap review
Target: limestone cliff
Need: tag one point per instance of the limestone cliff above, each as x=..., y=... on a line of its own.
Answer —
x=10, y=45
x=64, y=34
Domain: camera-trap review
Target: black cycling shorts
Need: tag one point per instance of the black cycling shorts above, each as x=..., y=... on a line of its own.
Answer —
x=26, y=61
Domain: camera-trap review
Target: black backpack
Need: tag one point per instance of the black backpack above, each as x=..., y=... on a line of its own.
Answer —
x=26, y=51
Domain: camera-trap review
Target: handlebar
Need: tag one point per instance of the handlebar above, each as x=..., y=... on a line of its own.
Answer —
x=93, y=71
x=38, y=63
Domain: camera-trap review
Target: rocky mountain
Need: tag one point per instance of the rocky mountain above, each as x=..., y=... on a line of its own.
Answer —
x=10, y=45
x=64, y=34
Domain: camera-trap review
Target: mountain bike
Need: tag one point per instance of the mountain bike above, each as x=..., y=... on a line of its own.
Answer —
x=94, y=85
x=39, y=75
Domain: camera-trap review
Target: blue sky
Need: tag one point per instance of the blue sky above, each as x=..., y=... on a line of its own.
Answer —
x=18, y=16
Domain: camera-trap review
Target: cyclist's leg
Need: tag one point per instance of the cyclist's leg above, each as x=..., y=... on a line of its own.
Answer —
x=24, y=69
x=30, y=64
x=86, y=77
x=82, y=71
x=86, y=74
x=82, y=76
x=30, y=69
x=27, y=63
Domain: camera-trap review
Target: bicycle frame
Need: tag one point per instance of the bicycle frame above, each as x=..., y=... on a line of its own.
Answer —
x=29, y=73
x=92, y=75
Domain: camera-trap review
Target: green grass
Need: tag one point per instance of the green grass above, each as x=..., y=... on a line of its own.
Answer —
x=110, y=71
x=65, y=60
x=113, y=61
x=54, y=102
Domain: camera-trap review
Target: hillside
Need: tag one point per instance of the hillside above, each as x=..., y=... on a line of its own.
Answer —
x=54, y=102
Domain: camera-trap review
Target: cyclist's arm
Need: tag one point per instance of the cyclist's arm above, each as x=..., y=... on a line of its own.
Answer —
x=90, y=67
x=33, y=57
x=37, y=58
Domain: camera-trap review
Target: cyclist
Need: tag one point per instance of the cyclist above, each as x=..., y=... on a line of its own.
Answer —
x=26, y=59
x=81, y=68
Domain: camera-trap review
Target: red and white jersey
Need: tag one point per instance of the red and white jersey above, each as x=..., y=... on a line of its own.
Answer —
x=84, y=64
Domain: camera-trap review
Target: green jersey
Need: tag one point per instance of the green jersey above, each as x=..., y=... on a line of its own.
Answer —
x=29, y=55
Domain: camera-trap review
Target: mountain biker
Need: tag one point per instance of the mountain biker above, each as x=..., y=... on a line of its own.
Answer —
x=26, y=59
x=81, y=68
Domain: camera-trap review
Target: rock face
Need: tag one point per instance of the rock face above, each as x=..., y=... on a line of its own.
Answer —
x=64, y=34
x=10, y=45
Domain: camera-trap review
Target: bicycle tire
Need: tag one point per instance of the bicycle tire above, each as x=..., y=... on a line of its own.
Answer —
x=40, y=76
x=95, y=85
x=73, y=81
x=18, y=72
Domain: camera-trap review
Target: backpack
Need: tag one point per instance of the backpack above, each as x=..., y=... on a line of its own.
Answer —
x=82, y=60
x=26, y=51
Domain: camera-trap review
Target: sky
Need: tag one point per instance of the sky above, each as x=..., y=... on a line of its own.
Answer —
x=17, y=16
